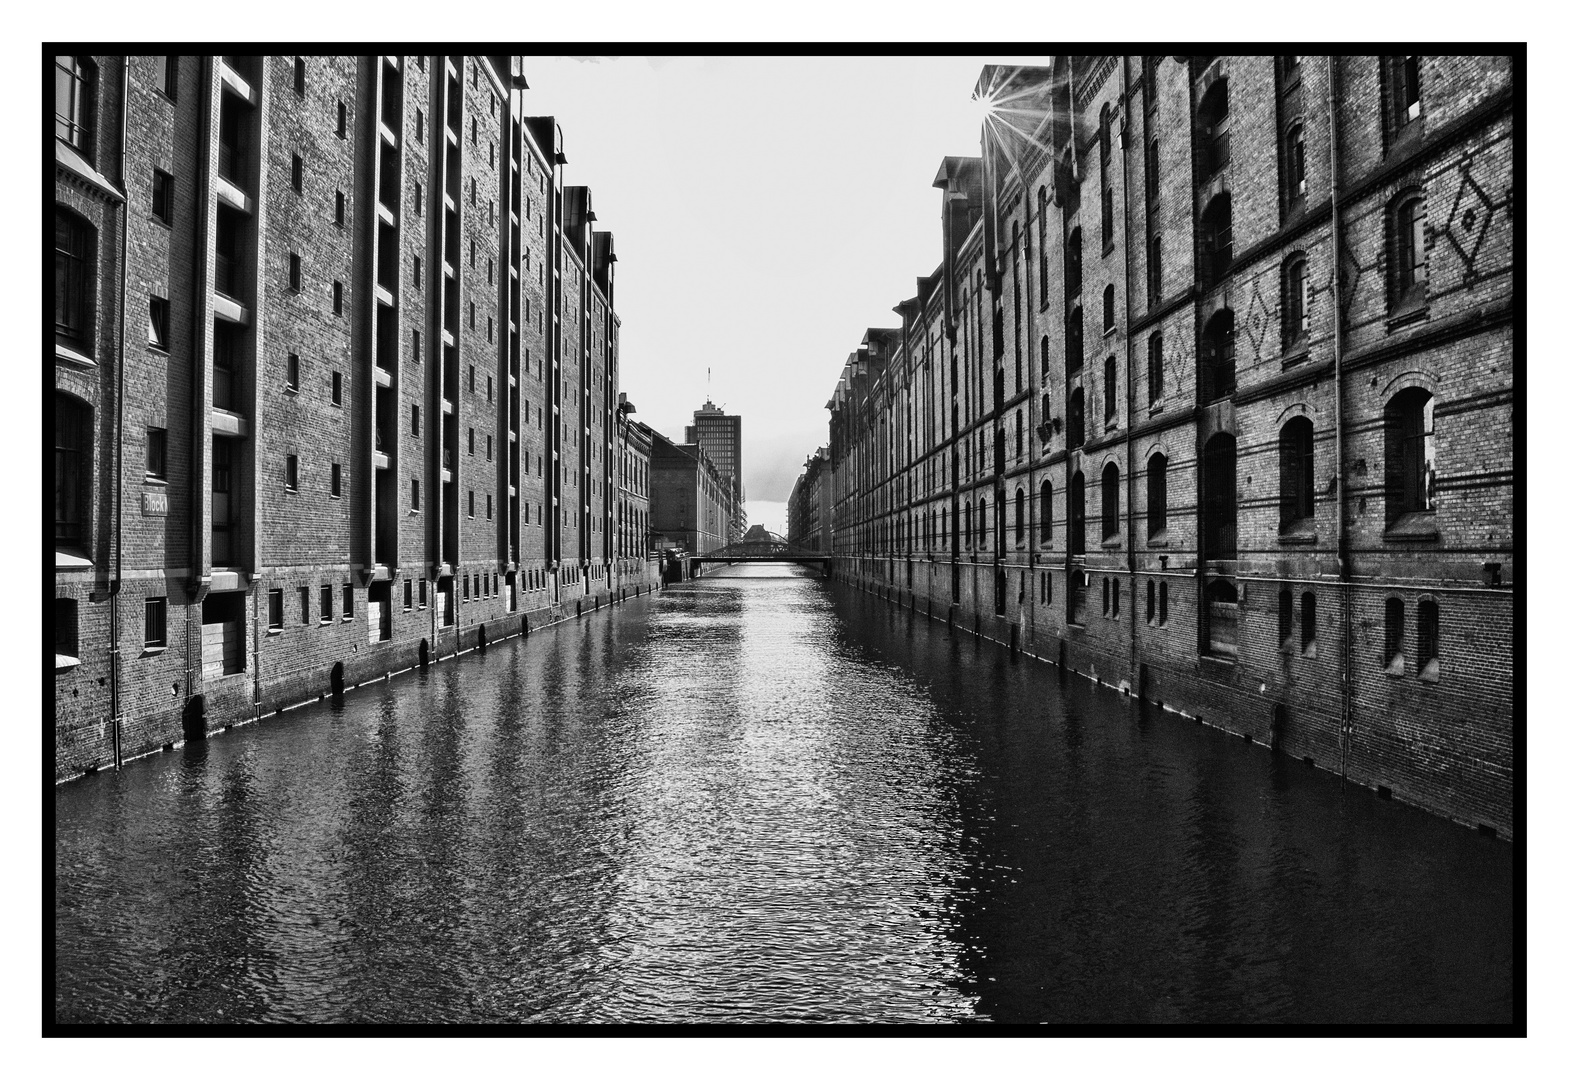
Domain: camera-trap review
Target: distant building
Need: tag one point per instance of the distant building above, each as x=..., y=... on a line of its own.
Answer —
x=719, y=434
x=689, y=499
x=806, y=503
x=632, y=528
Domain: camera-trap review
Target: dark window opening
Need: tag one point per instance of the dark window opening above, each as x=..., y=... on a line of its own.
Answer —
x=1213, y=130
x=1410, y=473
x=1394, y=635
x=1076, y=515
x=1076, y=418
x=73, y=443
x=1296, y=472
x=1157, y=368
x=1155, y=495
x=1215, y=249
x=1218, y=503
x=1218, y=371
x=73, y=283
x=1110, y=501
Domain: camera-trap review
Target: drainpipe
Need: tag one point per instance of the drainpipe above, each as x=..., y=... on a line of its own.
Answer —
x=1127, y=387
x=1342, y=566
x=119, y=433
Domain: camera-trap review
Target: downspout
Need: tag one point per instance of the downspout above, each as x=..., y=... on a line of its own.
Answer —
x=1341, y=548
x=1127, y=388
x=119, y=433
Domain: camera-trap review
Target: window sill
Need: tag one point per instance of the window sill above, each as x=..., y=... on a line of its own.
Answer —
x=1158, y=540
x=153, y=650
x=1406, y=315
x=71, y=356
x=1112, y=544
x=154, y=219
x=158, y=347
x=66, y=561
x=325, y=620
x=1157, y=407
x=1299, y=533
x=1420, y=525
x=64, y=663
x=1294, y=358
x=350, y=618
x=274, y=631
x=156, y=481
x=1310, y=650
x=1108, y=332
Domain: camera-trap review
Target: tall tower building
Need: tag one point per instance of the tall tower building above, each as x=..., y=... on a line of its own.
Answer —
x=719, y=435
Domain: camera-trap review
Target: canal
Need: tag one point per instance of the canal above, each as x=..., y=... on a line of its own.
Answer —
x=760, y=796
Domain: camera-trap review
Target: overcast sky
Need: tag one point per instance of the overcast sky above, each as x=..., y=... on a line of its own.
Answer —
x=766, y=210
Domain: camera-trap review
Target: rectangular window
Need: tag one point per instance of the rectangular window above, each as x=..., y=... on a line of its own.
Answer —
x=299, y=75
x=419, y=198
x=419, y=126
x=298, y=175
x=1394, y=635
x=305, y=605
x=163, y=197
x=490, y=442
x=488, y=512
x=422, y=593
x=158, y=322
x=416, y=349
x=414, y=420
x=490, y=388
x=471, y=370
x=343, y=121
x=337, y=298
x=291, y=472
x=157, y=453
x=471, y=442
x=418, y=273
x=292, y=373
x=167, y=74
x=275, y=609
x=296, y=274
x=414, y=494
x=408, y=594
x=155, y=623
x=337, y=388
x=348, y=600
x=326, y=603
x=1307, y=626
x=337, y=480
x=471, y=502
x=340, y=212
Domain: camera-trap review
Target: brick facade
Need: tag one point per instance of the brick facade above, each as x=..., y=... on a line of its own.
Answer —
x=376, y=283
x=1261, y=604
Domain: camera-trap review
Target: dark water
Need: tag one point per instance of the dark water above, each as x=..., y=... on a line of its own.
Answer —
x=760, y=799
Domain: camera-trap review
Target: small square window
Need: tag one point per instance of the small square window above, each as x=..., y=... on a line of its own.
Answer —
x=337, y=388
x=337, y=298
x=299, y=75
x=163, y=197
x=155, y=634
x=291, y=472
x=296, y=273
x=298, y=175
x=157, y=453
x=337, y=480
x=158, y=322
x=292, y=373
x=340, y=213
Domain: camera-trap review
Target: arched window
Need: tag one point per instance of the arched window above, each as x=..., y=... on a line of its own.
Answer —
x=1293, y=301
x=1018, y=516
x=1218, y=497
x=73, y=449
x=1218, y=374
x=1214, y=130
x=1410, y=473
x=1394, y=635
x=1108, y=309
x=969, y=527
x=1106, y=224
x=74, y=92
x=1427, y=638
x=1157, y=368
x=1155, y=495
x=1076, y=418
x=980, y=514
x=1076, y=515
x=1215, y=239
x=1111, y=391
x=1407, y=255
x=1296, y=472
x=1105, y=135
x=1045, y=510
x=1072, y=271
x=1110, y=501
x=1296, y=167
x=73, y=281
x=1075, y=339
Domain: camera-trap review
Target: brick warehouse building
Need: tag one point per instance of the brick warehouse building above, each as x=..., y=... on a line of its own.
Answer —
x=372, y=421
x=1212, y=399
